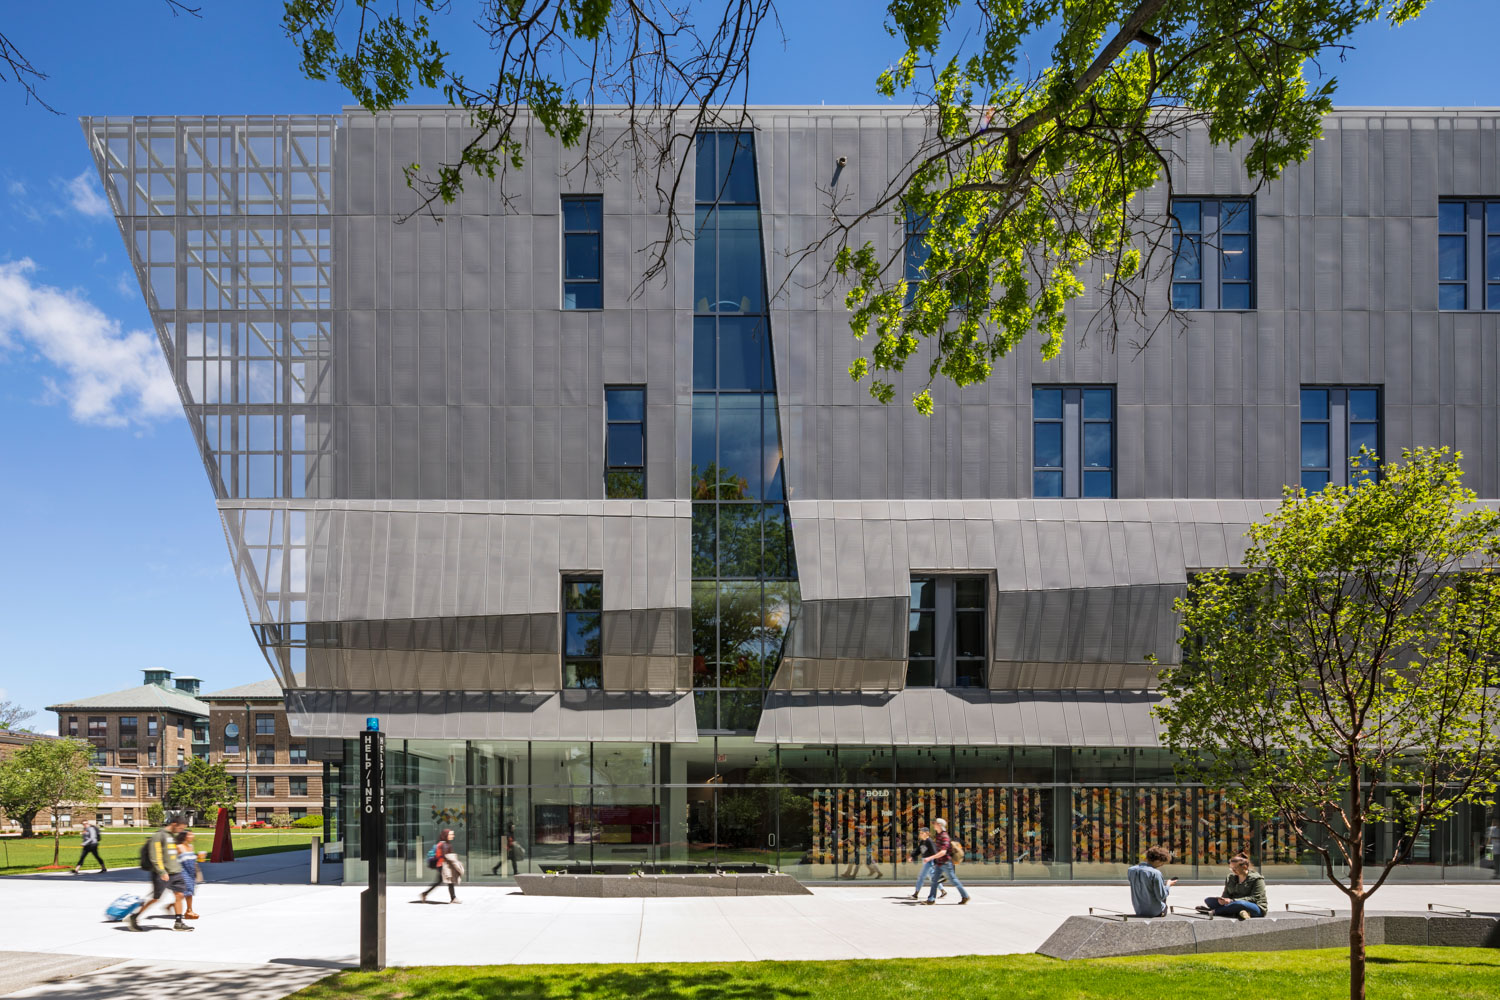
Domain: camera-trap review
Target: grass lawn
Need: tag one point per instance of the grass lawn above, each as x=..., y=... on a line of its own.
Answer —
x=1394, y=972
x=122, y=848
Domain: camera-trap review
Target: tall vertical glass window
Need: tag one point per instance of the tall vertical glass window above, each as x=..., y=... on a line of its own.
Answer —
x=624, y=442
x=583, y=224
x=1336, y=423
x=583, y=611
x=744, y=569
x=1073, y=441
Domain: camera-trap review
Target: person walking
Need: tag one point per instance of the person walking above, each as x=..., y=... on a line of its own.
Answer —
x=943, y=861
x=924, y=851
x=513, y=852
x=1148, y=887
x=1493, y=836
x=188, y=855
x=159, y=858
x=1244, y=893
x=449, y=869
x=90, y=846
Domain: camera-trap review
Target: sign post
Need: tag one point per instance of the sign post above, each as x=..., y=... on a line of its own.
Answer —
x=372, y=846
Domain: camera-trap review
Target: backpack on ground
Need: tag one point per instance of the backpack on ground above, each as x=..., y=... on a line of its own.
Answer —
x=955, y=852
x=123, y=906
x=432, y=856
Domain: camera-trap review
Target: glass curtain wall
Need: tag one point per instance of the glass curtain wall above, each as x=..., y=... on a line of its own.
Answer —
x=744, y=589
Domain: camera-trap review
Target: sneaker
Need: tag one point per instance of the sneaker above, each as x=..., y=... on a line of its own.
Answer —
x=1244, y=914
x=455, y=901
x=914, y=895
x=943, y=892
x=180, y=926
x=961, y=902
x=927, y=902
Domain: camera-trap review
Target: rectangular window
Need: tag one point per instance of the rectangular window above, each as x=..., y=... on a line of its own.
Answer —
x=127, y=758
x=72, y=725
x=265, y=788
x=127, y=788
x=130, y=817
x=583, y=223
x=297, y=812
x=181, y=727
x=265, y=754
x=104, y=788
x=583, y=604
x=128, y=730
x=625, y=442
x=99, y=758
x=151, y=722
x=98, y=727
x=299, y=786
x=263, y=815
x=1213, y=263
x=1073, y=441
x=265, y=725
x=181, y=758
x=1337, y=422
x=107, y=818
x=917, y=252
x=1468, y=254
x=947, y=642
x=150, y=755
x=151, y=787
x=298, y=754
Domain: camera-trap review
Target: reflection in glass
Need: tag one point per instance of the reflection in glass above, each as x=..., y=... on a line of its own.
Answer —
x=1314, y=404
x=1314, y=446
x=739, y=447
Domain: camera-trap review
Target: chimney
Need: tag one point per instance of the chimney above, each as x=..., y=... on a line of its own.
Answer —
x=158, y=676
x=188, y=684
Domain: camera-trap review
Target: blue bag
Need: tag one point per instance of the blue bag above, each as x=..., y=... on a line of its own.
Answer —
x=123, y=906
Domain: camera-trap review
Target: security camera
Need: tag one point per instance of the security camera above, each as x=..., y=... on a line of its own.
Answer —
x=843, y=161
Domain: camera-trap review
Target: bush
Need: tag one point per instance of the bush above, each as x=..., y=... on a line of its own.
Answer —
x=155, y=814
x=308, y=823
x=281, y=821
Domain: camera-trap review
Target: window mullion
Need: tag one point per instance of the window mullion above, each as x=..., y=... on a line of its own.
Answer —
x=1338, y=436
x=1474, y=242
x=1072, y=442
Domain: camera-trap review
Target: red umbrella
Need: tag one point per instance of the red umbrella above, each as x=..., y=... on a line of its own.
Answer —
x=223, y=846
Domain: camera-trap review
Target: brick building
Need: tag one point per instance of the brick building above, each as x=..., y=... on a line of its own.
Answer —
x=141, y=737
x=273, y=775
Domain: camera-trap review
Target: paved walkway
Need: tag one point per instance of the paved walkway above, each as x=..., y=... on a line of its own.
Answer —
x=298, y=932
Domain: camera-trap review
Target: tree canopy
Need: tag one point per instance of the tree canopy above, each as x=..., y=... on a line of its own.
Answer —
x=1046, y=122
x=1346, y=681
x=12, y=716
x=47, y=774
x=201, y=788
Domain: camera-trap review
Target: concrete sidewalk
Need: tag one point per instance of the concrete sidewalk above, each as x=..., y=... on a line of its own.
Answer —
x=266, y=936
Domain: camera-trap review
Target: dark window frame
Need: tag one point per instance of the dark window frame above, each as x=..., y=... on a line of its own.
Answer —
x=265, y=753
x=947, y=601
x=1211, y=241
x=1478, y=240
x=1338, y=423
x=265, y=724
x=578, y=285
x=617, y=482
x=293, y=784
x=297, y=754
x=1073, y=476
x=265, y=788
x=583, y=671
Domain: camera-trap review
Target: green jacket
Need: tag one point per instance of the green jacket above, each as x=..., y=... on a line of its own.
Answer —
x=1252, y=890
x=163, y=848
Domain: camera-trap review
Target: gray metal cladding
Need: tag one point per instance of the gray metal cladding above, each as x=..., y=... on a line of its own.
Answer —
x=962, y=717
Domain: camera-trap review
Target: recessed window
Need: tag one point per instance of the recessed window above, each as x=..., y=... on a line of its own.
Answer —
x=265, y=788
x=1073, y=441
x=947, y=635
x=298, y=754
x=298, y=786
x=624, y=442
x=265, y=754
x=265, y=725
x=583, y=225
x=1468, y=254
x=231, y=738
x=1213, y=263
x=297, y=812
x=1338, y=421
x=583, y=637
x=917, y=252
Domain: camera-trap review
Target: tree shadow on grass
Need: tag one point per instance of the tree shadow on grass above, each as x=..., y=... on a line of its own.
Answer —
x=643, y=983
x=1383, y=960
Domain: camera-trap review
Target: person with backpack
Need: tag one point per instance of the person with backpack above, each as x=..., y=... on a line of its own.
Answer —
x=90, y=846
x=948, y=854
x=442, y=858
x=924, y=851
x=159, y=859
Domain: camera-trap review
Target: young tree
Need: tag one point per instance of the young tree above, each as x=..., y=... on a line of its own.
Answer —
x=48, y=774
x=1027, y=186
x=12, y=715
x=201, y=788
x=1346, y=681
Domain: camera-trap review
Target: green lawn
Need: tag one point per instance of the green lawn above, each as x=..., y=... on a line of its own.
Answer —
x=122, y=848
x=1395, y=972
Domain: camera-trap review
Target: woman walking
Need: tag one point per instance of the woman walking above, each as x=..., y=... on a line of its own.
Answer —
x=187, y=854
x=450, y=870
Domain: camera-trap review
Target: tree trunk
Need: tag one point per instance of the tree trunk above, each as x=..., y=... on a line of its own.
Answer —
x=56, y=838
x=1357, y=929
x=25, y=821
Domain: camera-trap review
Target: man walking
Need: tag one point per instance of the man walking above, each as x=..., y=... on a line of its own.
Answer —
x=159, y=857
x=90, y=846
x=923, y=853
x=942, y=862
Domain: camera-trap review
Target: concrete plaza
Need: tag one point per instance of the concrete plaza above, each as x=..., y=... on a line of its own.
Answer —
x=262, y=932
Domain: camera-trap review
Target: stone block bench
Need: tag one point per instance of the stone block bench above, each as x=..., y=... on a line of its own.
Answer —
x=656, y=886
x=1106, y=935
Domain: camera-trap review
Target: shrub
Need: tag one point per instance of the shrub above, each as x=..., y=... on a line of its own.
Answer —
x=281, y=821
x=155, y=814
x=308, y=823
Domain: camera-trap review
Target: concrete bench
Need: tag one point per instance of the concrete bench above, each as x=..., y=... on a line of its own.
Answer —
x=1105, y=935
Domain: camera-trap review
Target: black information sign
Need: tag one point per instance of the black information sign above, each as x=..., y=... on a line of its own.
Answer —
x=372, y=850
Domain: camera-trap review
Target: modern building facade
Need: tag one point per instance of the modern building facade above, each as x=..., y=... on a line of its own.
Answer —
x=249, y=734
x=141, y=737
x=632, y=571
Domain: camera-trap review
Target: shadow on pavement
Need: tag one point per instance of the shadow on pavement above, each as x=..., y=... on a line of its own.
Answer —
x=133, y=981
x=280, y=868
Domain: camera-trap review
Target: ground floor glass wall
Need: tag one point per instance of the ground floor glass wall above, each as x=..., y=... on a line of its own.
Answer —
x=830, y=813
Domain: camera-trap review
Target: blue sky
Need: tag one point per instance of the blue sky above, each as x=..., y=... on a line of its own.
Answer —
x=113, y=556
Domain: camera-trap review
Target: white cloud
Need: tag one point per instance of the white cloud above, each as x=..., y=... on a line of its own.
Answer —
x=125, y=284
x=107, y=376
x=84, y=195
x=16, y=189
